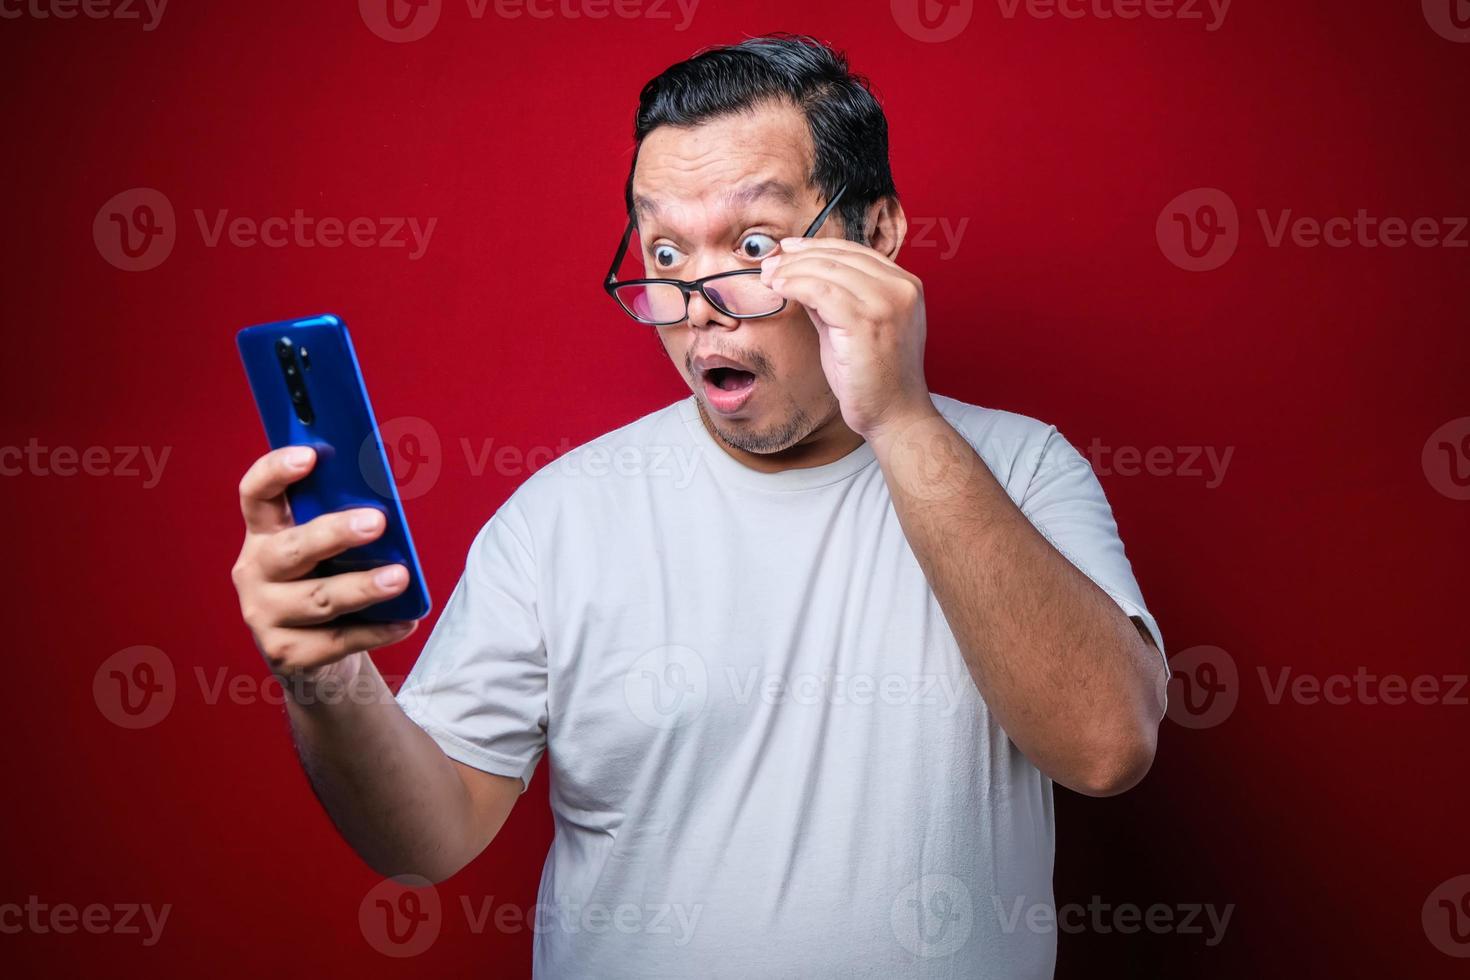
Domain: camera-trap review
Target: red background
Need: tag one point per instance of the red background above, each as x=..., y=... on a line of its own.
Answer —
x=1326, y=548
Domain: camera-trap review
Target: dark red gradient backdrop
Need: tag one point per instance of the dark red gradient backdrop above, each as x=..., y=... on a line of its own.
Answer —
x=1037, y=157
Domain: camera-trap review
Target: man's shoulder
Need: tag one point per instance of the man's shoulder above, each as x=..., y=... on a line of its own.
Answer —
x=1014, y=447
x=993, y=429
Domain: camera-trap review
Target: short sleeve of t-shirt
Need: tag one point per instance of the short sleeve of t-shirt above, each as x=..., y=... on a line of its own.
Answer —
x=479, y=687
x=1066, y=503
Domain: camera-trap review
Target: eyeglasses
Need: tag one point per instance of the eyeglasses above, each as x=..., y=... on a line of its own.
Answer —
x=662, y=302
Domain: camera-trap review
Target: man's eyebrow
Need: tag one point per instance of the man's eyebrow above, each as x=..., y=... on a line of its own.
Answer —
x=749, y=193
x=644, y=205
x=736, y=197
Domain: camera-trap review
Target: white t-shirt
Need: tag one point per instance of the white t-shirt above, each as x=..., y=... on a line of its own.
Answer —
x=767, y=757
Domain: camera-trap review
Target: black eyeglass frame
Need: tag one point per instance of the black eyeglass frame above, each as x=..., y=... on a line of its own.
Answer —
x=688, y=288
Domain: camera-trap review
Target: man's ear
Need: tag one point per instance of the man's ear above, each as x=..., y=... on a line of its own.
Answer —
x=886, y=226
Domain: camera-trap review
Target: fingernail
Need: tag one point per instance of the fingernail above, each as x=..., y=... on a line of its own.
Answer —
x=401, y=627
x=298, y=457
x=367, y=522
x=389, y=577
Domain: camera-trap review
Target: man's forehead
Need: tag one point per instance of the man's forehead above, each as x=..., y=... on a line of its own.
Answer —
x=734, y=198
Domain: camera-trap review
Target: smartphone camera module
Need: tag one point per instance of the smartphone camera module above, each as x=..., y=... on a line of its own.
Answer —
x=295, y=383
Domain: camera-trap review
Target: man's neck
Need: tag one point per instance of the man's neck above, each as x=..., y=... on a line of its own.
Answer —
x=827, y=443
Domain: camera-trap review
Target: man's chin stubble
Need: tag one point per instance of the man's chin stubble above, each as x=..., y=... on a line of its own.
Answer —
x=796, y=426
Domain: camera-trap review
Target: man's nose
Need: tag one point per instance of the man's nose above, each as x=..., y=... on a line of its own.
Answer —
x=703, y=313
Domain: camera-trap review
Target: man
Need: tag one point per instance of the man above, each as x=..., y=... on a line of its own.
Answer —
x=806, y=650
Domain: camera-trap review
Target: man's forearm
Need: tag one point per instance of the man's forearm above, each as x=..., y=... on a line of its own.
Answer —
x=391, y=791
x=1065, y=672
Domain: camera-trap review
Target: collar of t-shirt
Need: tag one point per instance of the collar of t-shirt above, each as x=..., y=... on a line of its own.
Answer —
x=805, y=478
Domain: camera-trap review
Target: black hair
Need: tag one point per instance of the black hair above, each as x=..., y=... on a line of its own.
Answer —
x=848, y=129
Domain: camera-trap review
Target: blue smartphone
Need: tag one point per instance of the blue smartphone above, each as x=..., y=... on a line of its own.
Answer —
x=310, y=392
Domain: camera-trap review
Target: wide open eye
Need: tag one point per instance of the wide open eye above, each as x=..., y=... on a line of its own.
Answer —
x=756, y=246
x=666, y=256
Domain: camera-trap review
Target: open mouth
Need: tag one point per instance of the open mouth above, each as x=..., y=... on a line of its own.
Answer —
x=727, y=389
x=729, y=379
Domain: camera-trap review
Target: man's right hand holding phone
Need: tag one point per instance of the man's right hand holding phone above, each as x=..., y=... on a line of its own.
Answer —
x=290, y=613
x=395, y=796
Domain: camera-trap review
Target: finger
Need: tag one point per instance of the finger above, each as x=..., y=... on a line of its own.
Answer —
x=263, y=487
x=862, y=259
x=319, y=600
x=861, y=280
x=834, y=302
x=837, y=245
x=292, y=552
x=290, y=651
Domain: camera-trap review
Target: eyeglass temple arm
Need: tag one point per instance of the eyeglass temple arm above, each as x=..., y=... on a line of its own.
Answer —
x=827, y=211
x=612, y=271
